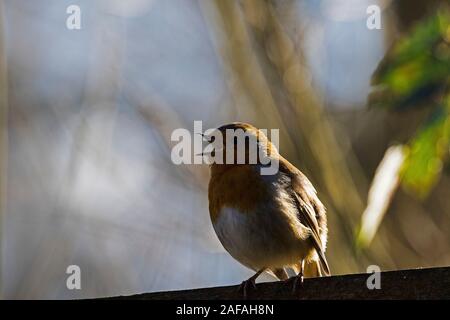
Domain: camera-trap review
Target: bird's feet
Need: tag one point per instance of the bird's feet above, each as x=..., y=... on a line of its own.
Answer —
x=247, y=286
x=250, y=284
x=297, y=283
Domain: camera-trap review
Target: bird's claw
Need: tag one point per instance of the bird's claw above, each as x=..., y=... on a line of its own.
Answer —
x=298, y=282
x=246, y=286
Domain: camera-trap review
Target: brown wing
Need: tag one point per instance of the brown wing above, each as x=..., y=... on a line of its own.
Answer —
x=310, y=210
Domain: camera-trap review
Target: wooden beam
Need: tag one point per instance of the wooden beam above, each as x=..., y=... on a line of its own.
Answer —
x=432, y=283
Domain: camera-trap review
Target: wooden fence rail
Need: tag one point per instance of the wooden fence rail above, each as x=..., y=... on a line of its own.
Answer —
x=432, y=283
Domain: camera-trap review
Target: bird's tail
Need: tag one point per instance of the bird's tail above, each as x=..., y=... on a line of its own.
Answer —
x=322, y=265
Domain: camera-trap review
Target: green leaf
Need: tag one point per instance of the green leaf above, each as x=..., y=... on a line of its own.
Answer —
x=417, y=66
x=427, y=154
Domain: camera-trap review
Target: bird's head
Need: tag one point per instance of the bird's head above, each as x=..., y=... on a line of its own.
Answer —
x=237, y=144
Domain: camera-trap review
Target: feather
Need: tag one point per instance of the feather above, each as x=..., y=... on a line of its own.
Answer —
x=310, y=209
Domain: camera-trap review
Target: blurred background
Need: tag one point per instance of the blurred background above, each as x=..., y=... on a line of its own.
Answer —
x=86, y=117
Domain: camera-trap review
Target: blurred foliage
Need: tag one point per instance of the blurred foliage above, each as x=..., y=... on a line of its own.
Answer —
x=427, y=152
x=415, y=73
x=416, y=67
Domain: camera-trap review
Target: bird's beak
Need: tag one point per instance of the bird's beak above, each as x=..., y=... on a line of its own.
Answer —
x=205, y=137
x=204, y=154
x=208, y=139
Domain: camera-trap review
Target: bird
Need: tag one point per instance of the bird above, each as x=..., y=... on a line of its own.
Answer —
x=268, y=223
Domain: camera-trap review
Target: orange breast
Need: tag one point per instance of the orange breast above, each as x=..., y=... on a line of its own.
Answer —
x=239, y=187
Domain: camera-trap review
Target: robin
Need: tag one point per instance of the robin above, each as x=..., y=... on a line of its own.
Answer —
x=267, y=222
